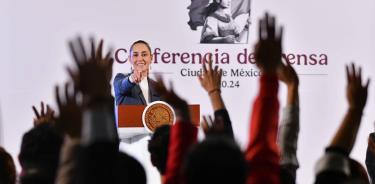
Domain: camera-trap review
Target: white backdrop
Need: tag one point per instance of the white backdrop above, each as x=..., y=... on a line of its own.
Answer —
x=34, y=53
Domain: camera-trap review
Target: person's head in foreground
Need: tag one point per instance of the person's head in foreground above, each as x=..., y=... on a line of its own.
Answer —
x=215, y=160
x=39, y=155
x=158, y=148
x=7, y=168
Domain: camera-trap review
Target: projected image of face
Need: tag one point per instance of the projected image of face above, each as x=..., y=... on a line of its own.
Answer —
x=225, y=3
x=141, y=57
x=220, y=24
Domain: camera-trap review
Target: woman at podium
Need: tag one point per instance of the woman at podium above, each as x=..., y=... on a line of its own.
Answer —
x=136, y=88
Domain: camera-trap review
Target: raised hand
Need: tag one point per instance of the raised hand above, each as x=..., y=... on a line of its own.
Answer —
x=211, y=78
x=137, y=76
x=94, y=71
x=180, y=106
x=69, y=121
x=211, y=127
x=211, y=82
x=46, y=114
x=269, y=47
x=356, y=92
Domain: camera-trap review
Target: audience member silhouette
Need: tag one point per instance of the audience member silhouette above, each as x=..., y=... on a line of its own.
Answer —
x=7, y=168
x=39, y=155
x=158, y=148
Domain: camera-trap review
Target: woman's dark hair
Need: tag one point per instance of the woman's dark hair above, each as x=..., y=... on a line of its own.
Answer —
x=211, y=8
x=142, y=42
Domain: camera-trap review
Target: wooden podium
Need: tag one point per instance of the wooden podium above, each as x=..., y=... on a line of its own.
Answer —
x=130, y=116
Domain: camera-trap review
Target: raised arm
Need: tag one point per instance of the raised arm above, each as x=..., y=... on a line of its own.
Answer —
x=69, y=123
x=356, y=94
x=335, y=165
x=211, y=83
x=122, y=83
x=98, y=135
x=289, y=124
x=92, y=80
x=183, y=133
x=262, y=154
